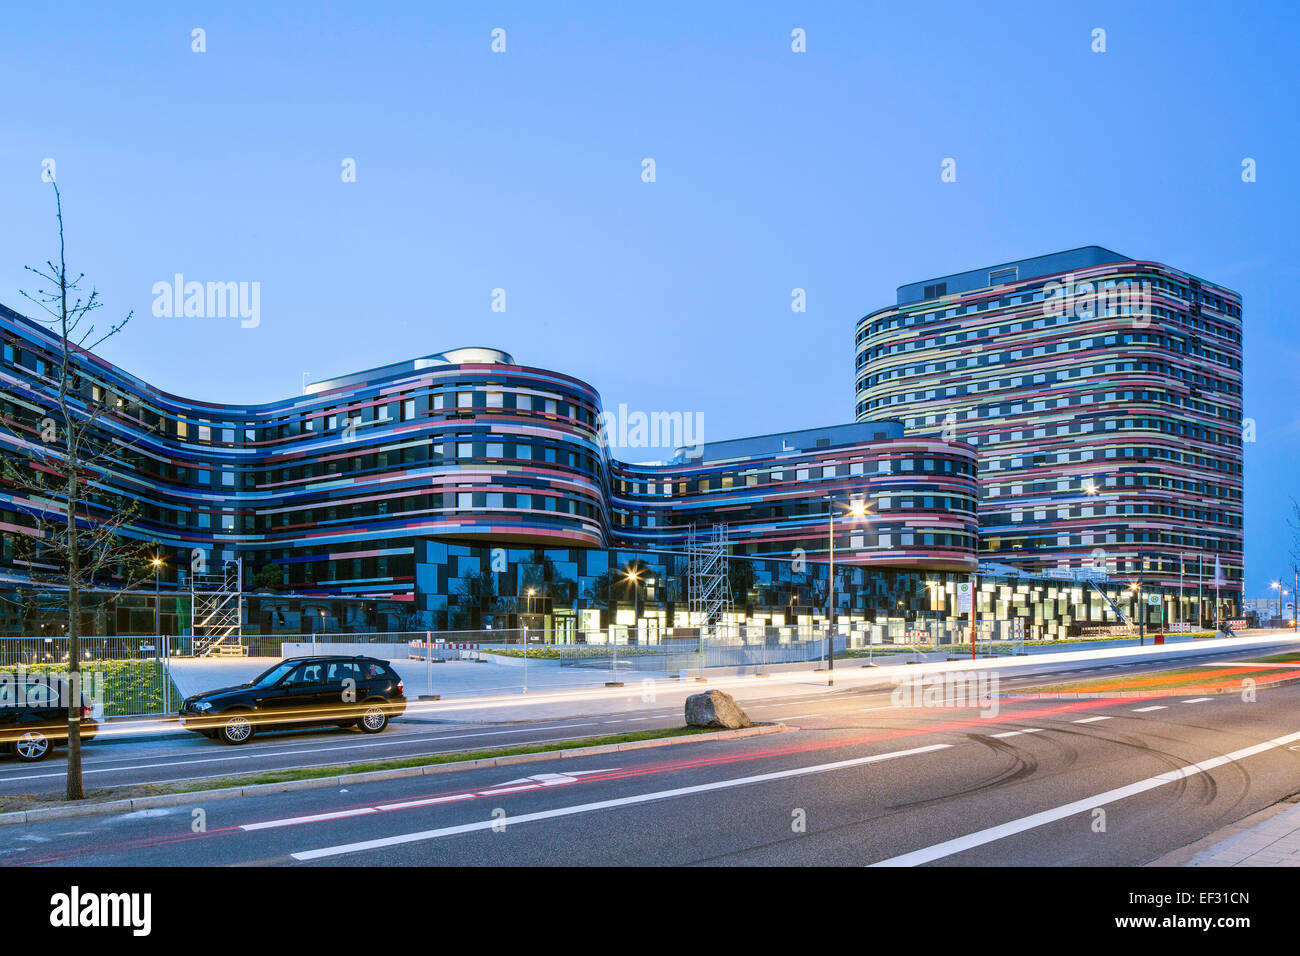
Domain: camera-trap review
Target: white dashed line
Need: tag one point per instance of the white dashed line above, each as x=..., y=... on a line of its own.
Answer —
x=1196, y=700
x=1013, y=733
x=1089, y=720
x=1147, y=710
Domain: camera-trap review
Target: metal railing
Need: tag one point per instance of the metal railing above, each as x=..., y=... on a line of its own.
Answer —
x=120, y=676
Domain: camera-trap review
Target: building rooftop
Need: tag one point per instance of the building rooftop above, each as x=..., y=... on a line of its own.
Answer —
x=805, y=439
x=471, y=355
x=1018, y=270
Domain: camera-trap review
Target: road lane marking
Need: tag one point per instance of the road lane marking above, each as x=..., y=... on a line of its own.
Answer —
x=478, y=825
x=425, y=802
x=1089, y=720
x=1197, y=700
x=313, y=818
x=1013, y=733
x=1011, y=828
x=1147, y=710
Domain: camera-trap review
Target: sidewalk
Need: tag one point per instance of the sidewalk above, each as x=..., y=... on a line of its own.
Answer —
x=493, y=692
x=1268, y=838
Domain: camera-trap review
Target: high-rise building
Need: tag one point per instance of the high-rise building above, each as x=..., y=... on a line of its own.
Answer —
x=1104, y=397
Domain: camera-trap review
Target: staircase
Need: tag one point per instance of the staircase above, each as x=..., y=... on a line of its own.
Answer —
x=216, y=600
x=1111, y=604
x=709, y=584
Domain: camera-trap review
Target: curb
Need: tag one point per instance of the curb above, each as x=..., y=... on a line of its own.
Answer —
x=130, y=804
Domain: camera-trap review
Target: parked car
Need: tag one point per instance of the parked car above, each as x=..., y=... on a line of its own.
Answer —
x=362, y=692
x=34, y=716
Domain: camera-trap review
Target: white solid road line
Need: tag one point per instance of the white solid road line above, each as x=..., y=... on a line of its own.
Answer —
x=992, y=834
x=1089, y=720
x=314, y=818
x=422, y=835
x=1147, y=710
x=423, y=802
x=1014, y=733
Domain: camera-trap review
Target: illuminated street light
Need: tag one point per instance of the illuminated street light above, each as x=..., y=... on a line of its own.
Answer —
x=857, y=508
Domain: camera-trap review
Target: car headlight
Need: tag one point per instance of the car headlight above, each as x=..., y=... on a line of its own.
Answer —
x=202, y=706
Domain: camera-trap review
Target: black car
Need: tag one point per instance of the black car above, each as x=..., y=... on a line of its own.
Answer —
x=362, y=692
x=34, y=716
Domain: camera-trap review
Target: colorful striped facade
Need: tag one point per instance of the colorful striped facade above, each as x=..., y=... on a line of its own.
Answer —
x=359, y=487
x=1104, y=397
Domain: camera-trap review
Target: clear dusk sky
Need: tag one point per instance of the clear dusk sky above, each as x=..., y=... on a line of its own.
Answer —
x=522, y=171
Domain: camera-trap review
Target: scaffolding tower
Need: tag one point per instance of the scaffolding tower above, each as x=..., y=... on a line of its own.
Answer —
x=216, y=602
x=709, y=583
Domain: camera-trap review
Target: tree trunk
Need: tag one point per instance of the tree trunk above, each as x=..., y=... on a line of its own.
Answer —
x=75, y=788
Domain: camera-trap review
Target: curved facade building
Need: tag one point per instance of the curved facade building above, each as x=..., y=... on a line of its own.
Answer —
x=1104, y=397
x=364, y=485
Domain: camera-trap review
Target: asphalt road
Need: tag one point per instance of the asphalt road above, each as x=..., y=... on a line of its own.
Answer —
x=440, y=728
x=857, y=782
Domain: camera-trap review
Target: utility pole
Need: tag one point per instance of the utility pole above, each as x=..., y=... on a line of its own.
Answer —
x=1142, y=608
x=1180, y=588
x=830, y=585
x=1200, y=578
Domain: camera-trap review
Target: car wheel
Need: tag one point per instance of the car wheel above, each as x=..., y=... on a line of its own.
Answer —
x=373, y=719
x=237, y=729
x=32, y=746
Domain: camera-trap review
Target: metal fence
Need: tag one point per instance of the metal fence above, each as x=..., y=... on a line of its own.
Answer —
x=121, y=676
x=952, y=635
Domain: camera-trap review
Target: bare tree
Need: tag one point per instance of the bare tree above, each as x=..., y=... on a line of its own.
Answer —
x=76, y=536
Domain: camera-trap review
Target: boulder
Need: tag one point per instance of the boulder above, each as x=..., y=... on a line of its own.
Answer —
x=715, y=709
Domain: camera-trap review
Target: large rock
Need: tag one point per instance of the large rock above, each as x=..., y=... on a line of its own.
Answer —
x=715, y=709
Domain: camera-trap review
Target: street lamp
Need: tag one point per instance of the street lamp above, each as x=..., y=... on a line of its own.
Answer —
x=857, y=509
x=633, y=577
x=157, y=624
x=1135, y=588
x=1277, y=586
x=157, y=563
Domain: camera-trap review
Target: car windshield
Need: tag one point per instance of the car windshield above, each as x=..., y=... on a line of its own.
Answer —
x=272, y=676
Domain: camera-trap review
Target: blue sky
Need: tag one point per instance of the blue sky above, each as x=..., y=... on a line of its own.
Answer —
x=522, y=171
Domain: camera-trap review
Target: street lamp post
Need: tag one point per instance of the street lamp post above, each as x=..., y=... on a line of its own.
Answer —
x=524, y=635
x=1277, y=586
x=157, y=631
x=857, y=508
x=157, y=617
